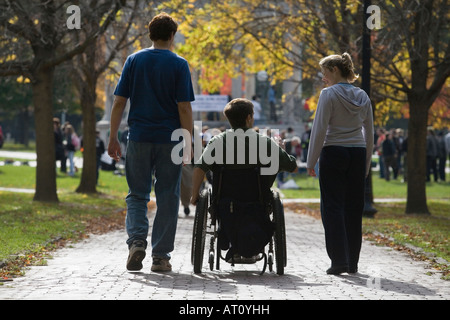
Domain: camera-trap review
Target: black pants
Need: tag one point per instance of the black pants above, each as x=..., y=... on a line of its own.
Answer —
x=441, y=168
x=390, y=162
x=342, y=182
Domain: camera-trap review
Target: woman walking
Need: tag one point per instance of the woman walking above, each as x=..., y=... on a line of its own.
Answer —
x=72, y=143
x=342, y=141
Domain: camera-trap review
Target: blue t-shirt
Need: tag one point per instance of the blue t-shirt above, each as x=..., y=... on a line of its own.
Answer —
x=155, y=81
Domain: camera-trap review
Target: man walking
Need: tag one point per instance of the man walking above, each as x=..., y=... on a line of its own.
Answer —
x=158, y=84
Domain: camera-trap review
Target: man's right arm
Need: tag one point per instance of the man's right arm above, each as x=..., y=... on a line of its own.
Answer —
x=114, y=150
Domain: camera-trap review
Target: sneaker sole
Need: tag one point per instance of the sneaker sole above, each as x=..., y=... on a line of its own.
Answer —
x=160, y=269
x=134, y=262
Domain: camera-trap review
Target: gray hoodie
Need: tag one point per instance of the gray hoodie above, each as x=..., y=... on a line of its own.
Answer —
x=343, y=118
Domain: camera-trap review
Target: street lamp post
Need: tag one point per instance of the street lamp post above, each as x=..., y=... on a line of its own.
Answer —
x=369, y=210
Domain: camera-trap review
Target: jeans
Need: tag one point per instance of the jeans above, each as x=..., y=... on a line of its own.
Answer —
x=142, y=160
x=342, y=183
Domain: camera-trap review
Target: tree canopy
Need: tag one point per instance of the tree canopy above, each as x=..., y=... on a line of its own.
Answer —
x=235, y=37
x=410, y=55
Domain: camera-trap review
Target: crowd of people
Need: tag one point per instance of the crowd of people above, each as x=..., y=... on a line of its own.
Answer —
x=391, y=146
x=67, y=142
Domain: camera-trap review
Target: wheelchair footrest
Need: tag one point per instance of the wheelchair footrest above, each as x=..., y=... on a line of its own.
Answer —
x=238, y=259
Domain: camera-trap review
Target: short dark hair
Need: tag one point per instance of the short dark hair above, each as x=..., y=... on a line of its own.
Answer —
x=162, y=27
x=237, y=111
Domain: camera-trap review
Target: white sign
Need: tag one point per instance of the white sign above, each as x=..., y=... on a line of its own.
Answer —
x=215, y=103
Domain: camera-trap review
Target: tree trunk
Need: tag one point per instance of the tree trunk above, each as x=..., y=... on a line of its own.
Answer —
x=416, y=159
x=88, y=84
x=26, y=126
x=88, y=176
x=45, y=140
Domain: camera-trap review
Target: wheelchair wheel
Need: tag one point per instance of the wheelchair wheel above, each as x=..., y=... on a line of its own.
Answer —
x=199, y=232
x=280, y=234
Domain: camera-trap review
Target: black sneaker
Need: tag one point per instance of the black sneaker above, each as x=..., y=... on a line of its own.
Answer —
x=337, y=270
x=353, y=269
x=136, y=255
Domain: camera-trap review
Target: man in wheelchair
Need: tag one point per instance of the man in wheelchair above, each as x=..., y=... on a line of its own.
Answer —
x=244, y=164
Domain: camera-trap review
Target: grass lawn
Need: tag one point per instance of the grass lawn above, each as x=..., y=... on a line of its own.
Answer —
x=309, y=188
x=28, y=229
x=428, y=232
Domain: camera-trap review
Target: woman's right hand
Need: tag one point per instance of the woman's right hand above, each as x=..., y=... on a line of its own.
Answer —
x=311, y=172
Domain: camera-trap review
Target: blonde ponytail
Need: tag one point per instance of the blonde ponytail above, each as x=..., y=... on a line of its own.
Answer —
x=343, y=62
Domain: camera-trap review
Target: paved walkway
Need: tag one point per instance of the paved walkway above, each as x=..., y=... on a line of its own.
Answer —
x=94, y=269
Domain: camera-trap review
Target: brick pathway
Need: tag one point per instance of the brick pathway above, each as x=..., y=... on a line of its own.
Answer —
x=94, y=269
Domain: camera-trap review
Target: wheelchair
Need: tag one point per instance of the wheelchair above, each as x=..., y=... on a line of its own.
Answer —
x=245, y=188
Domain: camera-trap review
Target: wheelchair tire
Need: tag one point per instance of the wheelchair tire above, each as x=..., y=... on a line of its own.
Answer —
x=279, y=235
x=199, y=232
